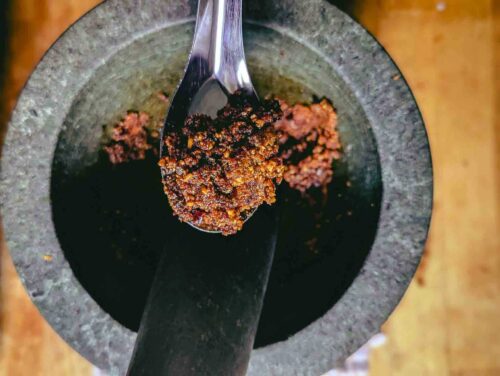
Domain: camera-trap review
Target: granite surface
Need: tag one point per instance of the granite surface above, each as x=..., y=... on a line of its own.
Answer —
x=339, y=42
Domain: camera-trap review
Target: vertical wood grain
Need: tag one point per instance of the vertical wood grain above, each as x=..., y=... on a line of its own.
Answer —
x=448, y=322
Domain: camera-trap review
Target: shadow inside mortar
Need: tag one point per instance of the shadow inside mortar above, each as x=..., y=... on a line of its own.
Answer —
x=124, y=220
x=347, y=6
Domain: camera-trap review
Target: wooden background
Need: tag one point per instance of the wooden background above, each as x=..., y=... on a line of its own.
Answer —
x=449, y=321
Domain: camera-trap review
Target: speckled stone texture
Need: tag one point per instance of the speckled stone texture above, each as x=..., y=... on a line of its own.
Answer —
x=360, y=65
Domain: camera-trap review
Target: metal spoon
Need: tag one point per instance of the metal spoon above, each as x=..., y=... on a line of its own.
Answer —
x=216, y=68
x=206, y=299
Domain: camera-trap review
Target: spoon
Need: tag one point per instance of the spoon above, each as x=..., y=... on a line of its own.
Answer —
x=206, y=298
x=216, y=68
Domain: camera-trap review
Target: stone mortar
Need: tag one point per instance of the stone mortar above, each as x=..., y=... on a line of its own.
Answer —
x=372, y=88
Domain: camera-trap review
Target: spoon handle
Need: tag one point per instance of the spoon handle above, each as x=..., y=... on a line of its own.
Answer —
x=218, y=40
x=204, y=306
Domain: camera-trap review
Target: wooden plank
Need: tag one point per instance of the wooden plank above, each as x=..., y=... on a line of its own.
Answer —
x=448, y=322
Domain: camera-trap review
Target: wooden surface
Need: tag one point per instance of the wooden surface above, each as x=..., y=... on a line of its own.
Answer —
x=449, y=321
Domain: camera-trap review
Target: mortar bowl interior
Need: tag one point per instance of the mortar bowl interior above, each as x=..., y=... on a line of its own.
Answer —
x=113, y=221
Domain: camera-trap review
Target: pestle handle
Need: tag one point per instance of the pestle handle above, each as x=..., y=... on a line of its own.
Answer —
x=204, y=306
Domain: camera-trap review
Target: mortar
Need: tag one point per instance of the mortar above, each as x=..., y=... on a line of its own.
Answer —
x=343, y=262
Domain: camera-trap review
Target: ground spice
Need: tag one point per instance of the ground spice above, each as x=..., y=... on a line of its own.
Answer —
x=129, y=139
x=217, y=171
x=309, y=143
